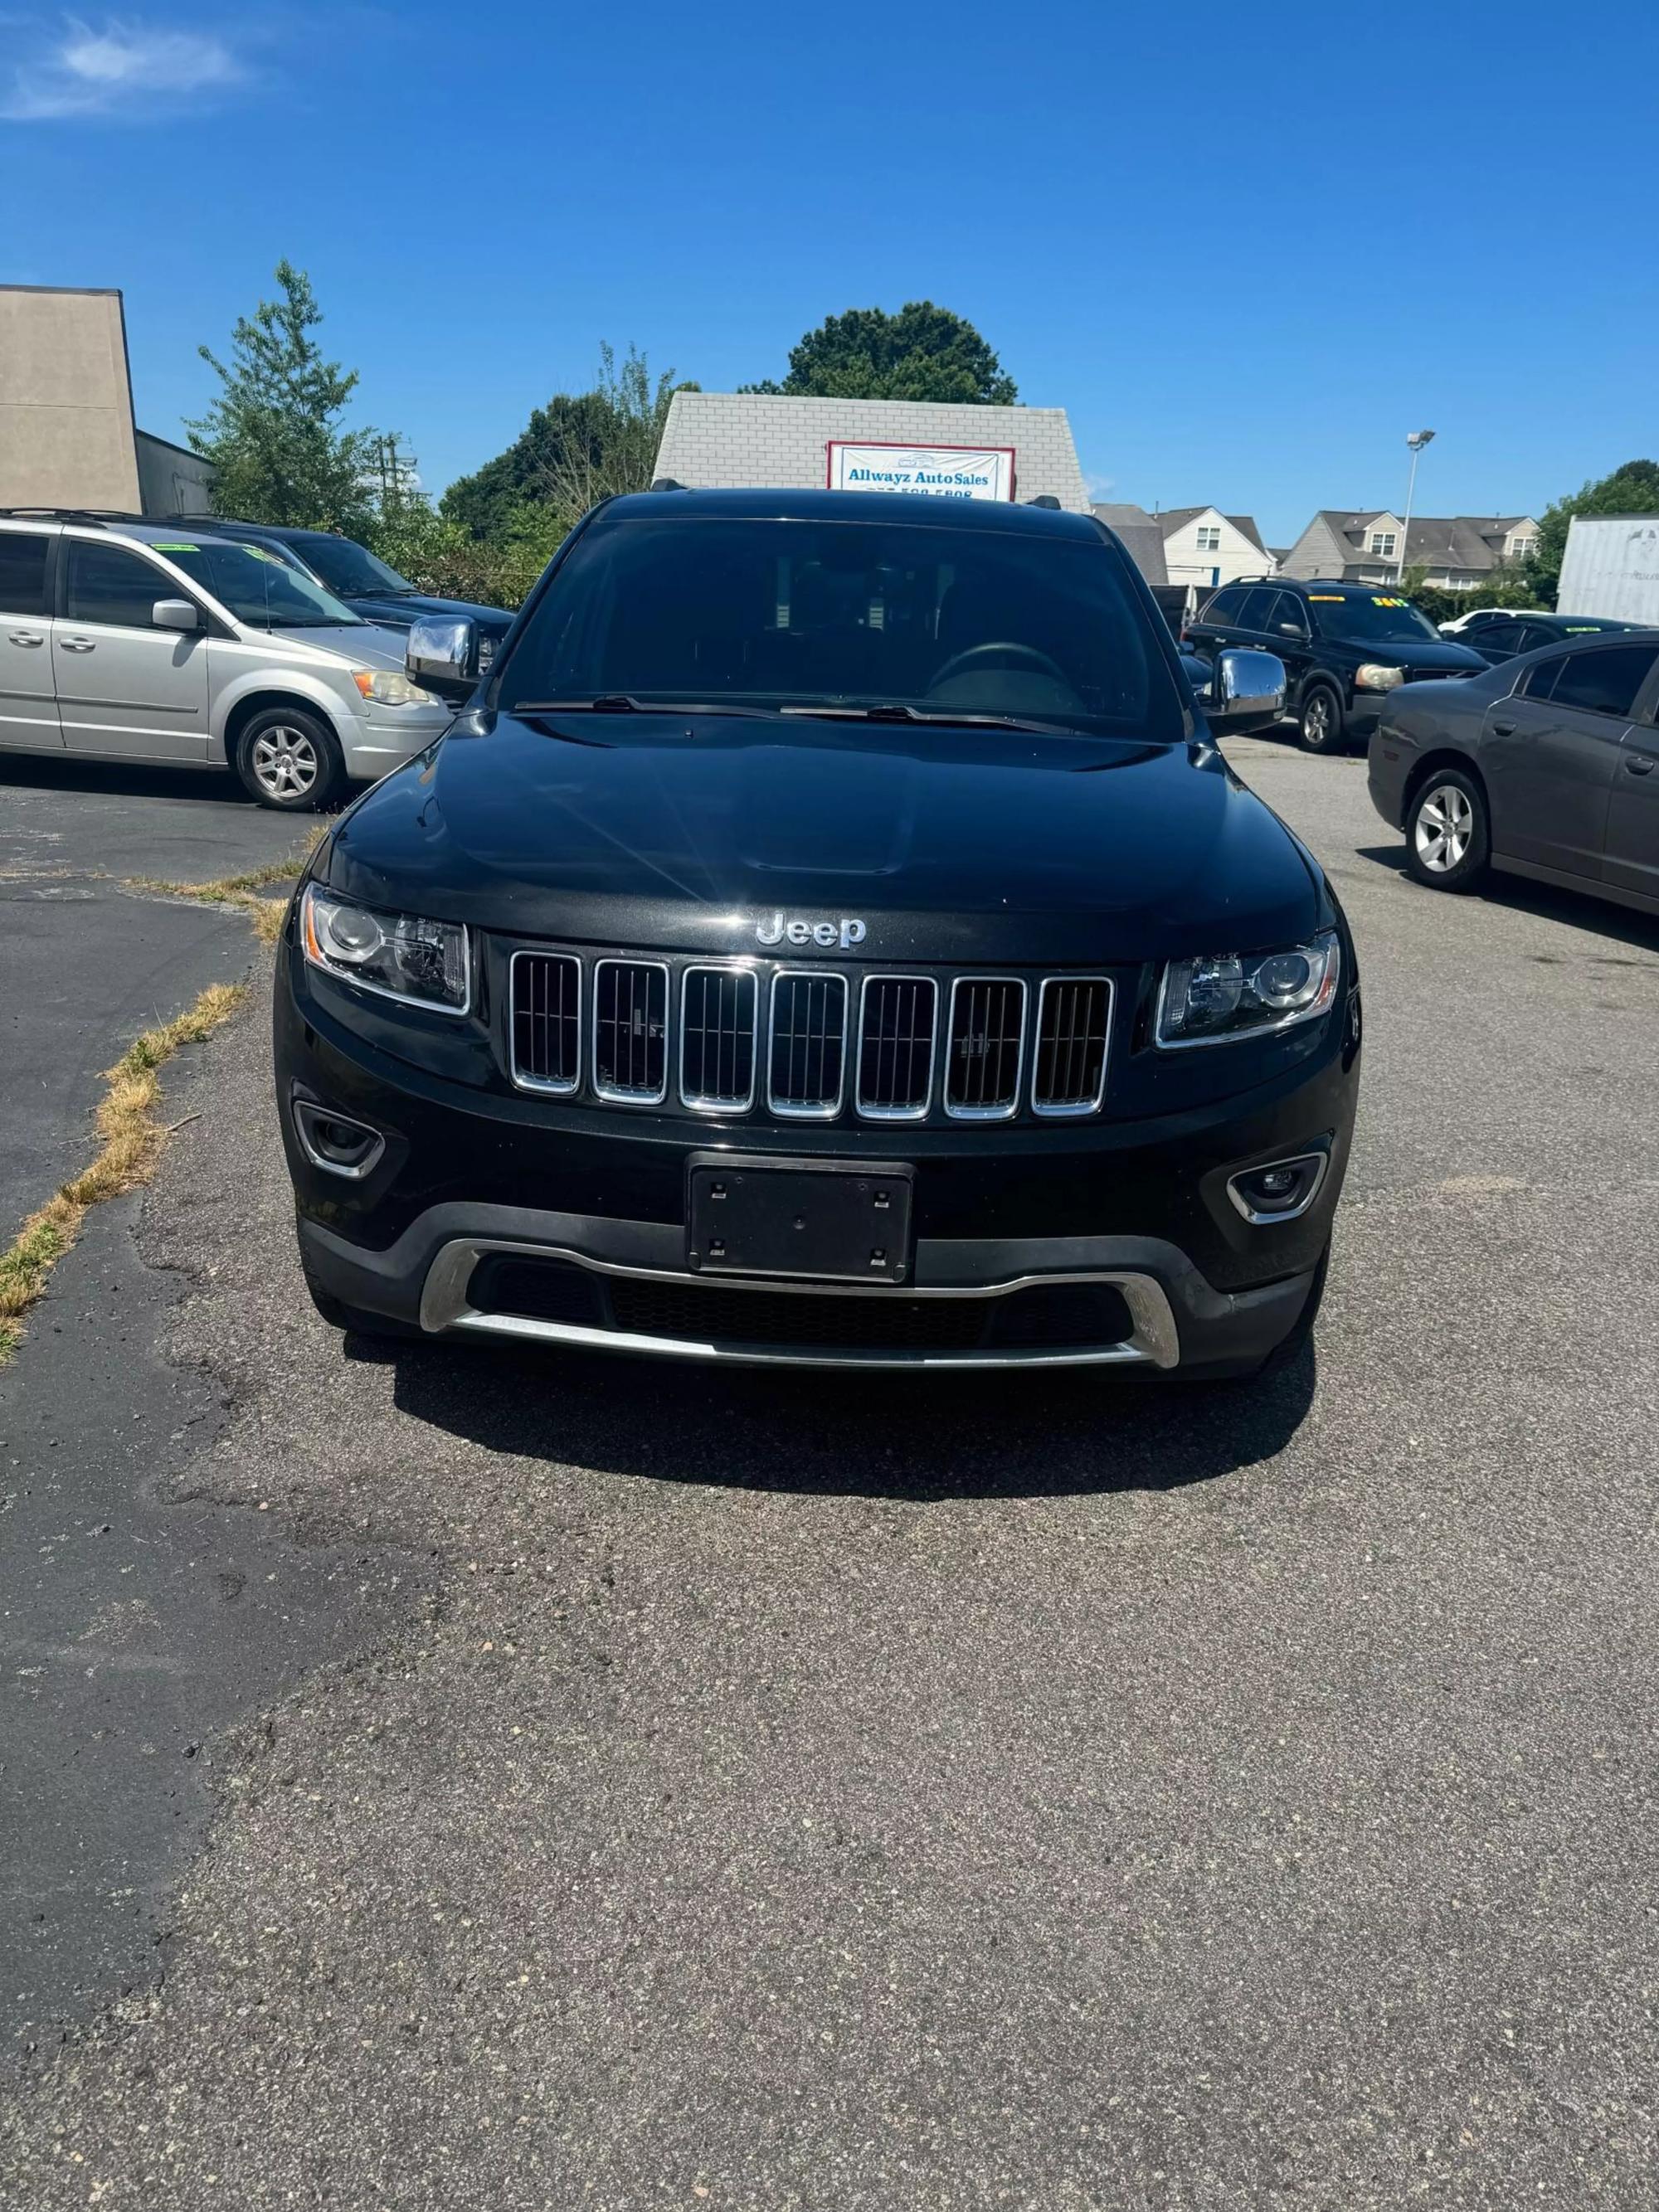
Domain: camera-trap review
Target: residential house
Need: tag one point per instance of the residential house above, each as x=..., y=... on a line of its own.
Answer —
x=1204, y=547
x=1459, y=552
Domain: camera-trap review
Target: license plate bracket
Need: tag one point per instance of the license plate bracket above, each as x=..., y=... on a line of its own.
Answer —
x=824, y=1221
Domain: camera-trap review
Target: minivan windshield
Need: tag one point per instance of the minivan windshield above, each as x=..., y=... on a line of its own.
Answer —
x=258, y=587
x=927, y=621
x=1381, y=616
x=351, y=569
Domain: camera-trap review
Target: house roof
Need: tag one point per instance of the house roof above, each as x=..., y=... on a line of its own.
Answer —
x=1472, y=543
x=1143, y=540
x=1171, y=518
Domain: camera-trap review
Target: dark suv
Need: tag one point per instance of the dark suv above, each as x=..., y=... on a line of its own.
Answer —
x=371, y=588
x=829, y=935
x=1345, y=648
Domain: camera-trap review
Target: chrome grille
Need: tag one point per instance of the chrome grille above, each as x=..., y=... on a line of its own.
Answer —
x=806, y=1064
x=896, y=1018
x=986, y=1049
x=1075, y=1014
x=717, y=1039
x=547, y=1021
x=630, y=1031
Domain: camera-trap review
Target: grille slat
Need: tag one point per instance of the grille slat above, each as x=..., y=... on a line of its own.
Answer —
x=986, y=1049
x=547, y=1029
x=896, y=1018
x=1075, y=1014
x=806, y=1063
x=630, y=1031
x=717, y=1039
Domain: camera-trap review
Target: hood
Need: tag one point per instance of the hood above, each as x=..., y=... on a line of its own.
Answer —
x=685, y=833
x=400, y=609
x=1418, y=652
x=365, y=645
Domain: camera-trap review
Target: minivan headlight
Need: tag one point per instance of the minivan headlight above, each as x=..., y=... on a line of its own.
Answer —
x=401, y=956
x=390, y=687
x=1217, y=996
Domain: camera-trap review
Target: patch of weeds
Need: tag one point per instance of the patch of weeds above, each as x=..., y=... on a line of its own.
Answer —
x=131, y=1141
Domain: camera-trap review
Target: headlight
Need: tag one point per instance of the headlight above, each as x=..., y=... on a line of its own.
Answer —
x=1222, y=995
x=401, y=956
x=1378, y=676
x=390, y=687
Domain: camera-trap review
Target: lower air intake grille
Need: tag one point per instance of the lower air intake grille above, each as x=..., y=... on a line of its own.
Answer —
x=895, y=1047
x=717, y=1038
x=547, y=1028
x=988, y=1037
x=808, y=1057
x=1061, y=1316
x=630, y=1031
x=1073, y=1016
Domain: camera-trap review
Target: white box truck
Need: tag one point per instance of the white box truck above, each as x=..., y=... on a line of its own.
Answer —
x=1611, y=568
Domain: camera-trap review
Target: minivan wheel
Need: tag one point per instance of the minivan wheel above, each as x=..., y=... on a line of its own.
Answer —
x=1448, y=833
x=289, y=760
x=1321, y=720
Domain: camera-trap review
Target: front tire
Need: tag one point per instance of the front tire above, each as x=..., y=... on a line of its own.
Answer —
x=1320, y=721
x=289, y=759
x=1448, y=831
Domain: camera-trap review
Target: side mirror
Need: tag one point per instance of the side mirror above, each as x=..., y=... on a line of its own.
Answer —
x=1295, y=630
x=1247, y=691
x=176, y=614
x=442, y=655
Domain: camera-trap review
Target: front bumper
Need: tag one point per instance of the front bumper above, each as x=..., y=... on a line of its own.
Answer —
x=1107, y=1242
x=375, y=745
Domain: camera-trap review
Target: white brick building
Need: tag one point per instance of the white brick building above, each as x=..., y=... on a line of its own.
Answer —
x=741, y=439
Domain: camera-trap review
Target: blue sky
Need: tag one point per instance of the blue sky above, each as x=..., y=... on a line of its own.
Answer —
x=1247, y=249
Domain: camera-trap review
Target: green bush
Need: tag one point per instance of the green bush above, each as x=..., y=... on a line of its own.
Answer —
x=439, y=556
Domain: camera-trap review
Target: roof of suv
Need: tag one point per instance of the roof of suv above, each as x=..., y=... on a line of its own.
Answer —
x=782, y=504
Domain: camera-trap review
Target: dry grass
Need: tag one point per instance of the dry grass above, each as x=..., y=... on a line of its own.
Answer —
x=132, y=1137
x=243, y=890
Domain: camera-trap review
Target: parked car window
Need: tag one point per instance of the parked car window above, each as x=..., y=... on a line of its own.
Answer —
x=847, y=614
x=258, y=587
x=1533, y=634
x=351, y=569
x=1540, y=679
x=22, y=574
x=1224, y=607
x=109, y=584
x=1287, y=608
x=1257, y=611
x=1377, y=618
x=1603, y=682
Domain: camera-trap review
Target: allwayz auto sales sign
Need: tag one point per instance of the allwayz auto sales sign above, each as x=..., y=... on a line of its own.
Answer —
x=930, y=471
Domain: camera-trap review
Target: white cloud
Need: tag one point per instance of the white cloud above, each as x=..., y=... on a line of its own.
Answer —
x=129, y=70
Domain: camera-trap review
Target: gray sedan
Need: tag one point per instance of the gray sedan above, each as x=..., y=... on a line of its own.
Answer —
x=1547, y=765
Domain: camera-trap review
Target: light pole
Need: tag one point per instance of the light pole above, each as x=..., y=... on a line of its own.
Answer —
x=1416, y=440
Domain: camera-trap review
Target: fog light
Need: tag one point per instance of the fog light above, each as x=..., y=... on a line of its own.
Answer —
x=1280, y=1191
x=336, y=1142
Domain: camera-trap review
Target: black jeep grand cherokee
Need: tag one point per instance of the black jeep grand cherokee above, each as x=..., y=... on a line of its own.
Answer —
x=829, y=935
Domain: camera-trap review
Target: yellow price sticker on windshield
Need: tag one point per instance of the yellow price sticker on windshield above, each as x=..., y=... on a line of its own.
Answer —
x=161, y=548
x=1376, y=602
x=1327, y=598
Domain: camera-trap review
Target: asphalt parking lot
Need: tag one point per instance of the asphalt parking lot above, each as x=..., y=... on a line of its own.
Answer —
x=474, y=1779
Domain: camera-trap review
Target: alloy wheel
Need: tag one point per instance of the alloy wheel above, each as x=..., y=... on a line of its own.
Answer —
x=1444, y=827
x=1316, y=720
x=285, y=763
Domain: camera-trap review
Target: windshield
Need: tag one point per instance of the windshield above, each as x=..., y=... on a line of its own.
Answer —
x=1372, y=615
x=349, y=570
x=934, y=621
x=258, y=587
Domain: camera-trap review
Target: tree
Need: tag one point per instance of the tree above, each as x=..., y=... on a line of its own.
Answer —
x=274, y=433
x=1504, y=587
x=579, y=448
x=1632, y=489
x=923, y=352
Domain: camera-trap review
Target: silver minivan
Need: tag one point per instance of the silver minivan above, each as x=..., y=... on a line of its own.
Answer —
x=127, y=640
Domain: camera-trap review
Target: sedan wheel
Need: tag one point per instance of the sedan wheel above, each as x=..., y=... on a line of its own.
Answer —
x=1444, y=826
x=1448, y=836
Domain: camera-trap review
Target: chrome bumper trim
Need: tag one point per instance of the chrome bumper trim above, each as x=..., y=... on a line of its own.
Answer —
x=1152, y=1342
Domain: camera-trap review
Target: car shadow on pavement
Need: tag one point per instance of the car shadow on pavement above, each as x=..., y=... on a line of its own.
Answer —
x=1055, y=1432
x=1523, y=895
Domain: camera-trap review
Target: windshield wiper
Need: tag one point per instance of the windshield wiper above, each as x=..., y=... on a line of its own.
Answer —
x=897, y=712
x=624, y=703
